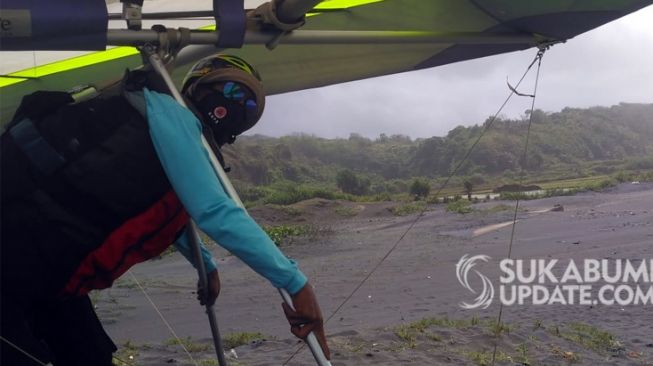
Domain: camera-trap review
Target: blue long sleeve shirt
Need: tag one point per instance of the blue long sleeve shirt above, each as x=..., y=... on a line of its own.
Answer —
x=176, y=134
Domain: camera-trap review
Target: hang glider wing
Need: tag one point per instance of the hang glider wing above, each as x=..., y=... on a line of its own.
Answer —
x=412, y=35
x=345, y=40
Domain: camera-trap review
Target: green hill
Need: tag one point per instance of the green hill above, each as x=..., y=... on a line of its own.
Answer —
x=567, y=144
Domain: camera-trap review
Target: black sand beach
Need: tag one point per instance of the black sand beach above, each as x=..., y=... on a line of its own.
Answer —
x=418, y=281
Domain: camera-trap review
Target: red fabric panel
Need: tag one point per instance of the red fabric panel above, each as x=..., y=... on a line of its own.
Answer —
x=137, y=240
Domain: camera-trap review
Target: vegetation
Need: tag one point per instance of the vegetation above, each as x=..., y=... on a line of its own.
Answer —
x=280, y=233
x=284, y=193
x=409, y=332
x=238, y=339
x=190, y=345
x=444, y=335
x=350, y=182
x=484, y=358
x=127, y=353
x=420, y=188
x=469, y=187
x=346, y=211
x=460, y=206
x=590, y=337
x=582, y=148
x=405, y=209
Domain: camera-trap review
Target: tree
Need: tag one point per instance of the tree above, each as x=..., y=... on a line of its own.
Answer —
x=468, y=189
x=257, y=172
x=350, y=183
x=420, y=188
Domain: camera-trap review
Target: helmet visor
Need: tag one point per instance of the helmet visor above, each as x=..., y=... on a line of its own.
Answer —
x=229, y=108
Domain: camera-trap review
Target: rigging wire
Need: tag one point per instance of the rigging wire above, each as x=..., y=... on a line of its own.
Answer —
x=522, y=174
x=486, y=128
x=27, y=354
x=172, y=331
x=31, y=357
x=167, y=324
x=538, y=58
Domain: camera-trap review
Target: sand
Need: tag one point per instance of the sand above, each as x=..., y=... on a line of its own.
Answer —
x=380, y=324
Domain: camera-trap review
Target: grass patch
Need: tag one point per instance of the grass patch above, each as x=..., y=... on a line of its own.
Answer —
x=447, y=323
x=484, y=358
x=600, y=185
x=407, y=335
x=241, y=338
x=214, y=362
x=287, y=194
x=288, y=210
x=408, y=208
x=284, y=234
x=280, y=233
x=409, y=332
x=423, y=324
x=95, y=296
x=537, y=324
x=127, y=353
x=208, y=362
x=574, y=183
x=346, y=211
x=569, y=356
x=590, y=337
x=498, y=329
x=125, y=283
x=522, y=354
x=460, y=206
x=189, y=344
x=564, y=188
x=524, y=196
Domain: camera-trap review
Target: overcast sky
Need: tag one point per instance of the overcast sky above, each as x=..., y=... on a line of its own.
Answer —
x=608, y=65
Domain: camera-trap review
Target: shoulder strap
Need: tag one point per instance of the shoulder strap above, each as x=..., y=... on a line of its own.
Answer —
x=34, y=107
x=39, y=152
x=37, y=105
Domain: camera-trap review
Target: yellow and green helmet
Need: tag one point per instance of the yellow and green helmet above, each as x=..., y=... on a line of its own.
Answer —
x=227, y=93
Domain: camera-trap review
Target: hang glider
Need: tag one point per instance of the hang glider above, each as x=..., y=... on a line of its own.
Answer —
x=340, y=41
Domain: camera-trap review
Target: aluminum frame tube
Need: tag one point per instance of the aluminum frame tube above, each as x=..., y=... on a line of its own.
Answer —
x=311, y=339
x=191, y=230
x=169, y=15
x=129, y=37
x=291, y=11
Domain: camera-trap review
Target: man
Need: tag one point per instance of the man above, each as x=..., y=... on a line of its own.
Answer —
x=90, y=189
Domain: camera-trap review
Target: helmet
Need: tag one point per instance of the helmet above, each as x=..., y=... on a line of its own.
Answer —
x=227, y=94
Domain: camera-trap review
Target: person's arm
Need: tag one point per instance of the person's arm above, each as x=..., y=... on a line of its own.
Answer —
x=176, y=135
x=183, y=247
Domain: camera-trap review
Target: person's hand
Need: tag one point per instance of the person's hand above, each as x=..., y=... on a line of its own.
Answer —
x=213, y=286
x=307, y=317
